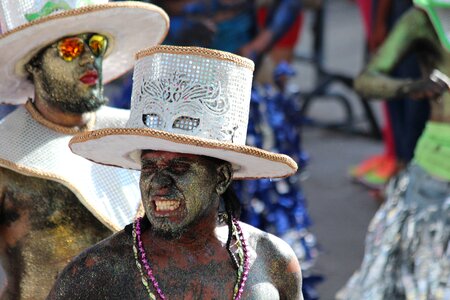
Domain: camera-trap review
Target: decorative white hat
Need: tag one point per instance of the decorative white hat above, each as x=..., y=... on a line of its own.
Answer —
x=186, y=100
x=26, y=26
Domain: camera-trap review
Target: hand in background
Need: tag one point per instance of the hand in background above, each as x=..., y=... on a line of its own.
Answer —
x=257, y=46
x=425, y=89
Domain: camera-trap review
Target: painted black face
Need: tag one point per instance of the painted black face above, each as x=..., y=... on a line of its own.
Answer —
x=68, y=73
x=177, y=190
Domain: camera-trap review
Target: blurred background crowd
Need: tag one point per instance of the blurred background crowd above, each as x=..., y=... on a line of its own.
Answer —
x=307, y=53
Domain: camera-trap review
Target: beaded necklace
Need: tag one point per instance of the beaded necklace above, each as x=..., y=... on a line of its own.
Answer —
x=143, y=263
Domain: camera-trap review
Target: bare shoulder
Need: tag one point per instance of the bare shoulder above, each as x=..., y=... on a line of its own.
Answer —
x=270, y=243
x=102, y=266
x=276, y=258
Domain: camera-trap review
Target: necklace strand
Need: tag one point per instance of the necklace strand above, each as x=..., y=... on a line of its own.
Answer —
x=142, y=262
x=245, y=261
x=240, y=264
x=139, y=266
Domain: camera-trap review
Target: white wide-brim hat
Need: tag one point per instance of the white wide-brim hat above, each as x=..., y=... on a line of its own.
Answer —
x=186, y=100
x=129, y=27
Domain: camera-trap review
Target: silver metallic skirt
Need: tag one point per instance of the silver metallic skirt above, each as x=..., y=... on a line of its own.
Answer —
x=407, y=253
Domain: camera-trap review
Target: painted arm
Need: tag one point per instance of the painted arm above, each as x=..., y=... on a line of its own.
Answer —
x=291, y=287
x=285, y=269
x=375, y=81
x=81, y=279
x=286, y=11
x=284, y=15
x=70, y=284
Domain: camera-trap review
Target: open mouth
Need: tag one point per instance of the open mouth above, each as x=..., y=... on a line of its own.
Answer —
x=89, y=78
x=167, y=205
x=164, y=206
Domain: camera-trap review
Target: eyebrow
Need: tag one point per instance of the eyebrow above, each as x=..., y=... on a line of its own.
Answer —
x=175, y=159
x=182, y=159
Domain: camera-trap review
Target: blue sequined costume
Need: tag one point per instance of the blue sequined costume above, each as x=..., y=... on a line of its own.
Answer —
x=279, y=206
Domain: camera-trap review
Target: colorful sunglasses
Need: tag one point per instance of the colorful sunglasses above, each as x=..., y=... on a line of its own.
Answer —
x=71, y=47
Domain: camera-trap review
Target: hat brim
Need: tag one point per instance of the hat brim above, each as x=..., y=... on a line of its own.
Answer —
x=121, y=147
x=129, y=26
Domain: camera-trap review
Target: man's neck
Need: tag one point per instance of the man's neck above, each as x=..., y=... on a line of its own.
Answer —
x=195, y=239
x=60, y=117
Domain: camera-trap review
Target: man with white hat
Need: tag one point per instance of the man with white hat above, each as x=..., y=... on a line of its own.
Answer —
x=57, y=54
x=186, y=133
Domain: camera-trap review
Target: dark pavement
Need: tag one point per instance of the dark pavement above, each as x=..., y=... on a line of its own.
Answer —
x=340, y=209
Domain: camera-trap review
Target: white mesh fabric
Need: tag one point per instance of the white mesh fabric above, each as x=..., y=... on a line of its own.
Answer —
x=13, y=12
x=111, y=194
x=191, y=95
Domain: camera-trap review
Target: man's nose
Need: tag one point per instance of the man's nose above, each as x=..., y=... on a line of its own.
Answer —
x=161, y=179
x=86, y=57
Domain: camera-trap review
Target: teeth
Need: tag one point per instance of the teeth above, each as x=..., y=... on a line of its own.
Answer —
x=167, y=205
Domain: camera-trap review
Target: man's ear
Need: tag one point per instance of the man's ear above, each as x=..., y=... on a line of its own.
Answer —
x=225, y=173
x=31, y=69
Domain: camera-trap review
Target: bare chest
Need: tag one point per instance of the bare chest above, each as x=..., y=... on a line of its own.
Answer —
x=193, y=277
x=213, y=279
x=209, y=285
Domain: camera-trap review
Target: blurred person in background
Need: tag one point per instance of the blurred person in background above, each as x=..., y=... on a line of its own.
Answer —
x=405, y=118
x=251, y=28
x=407, y=253
x=229, y=25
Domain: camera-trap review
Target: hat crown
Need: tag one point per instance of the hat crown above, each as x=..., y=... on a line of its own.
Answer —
x=14, y=13
x=192, y=91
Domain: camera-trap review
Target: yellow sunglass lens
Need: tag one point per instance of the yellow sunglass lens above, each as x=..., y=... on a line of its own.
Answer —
x=70, y=48
x=98, y=44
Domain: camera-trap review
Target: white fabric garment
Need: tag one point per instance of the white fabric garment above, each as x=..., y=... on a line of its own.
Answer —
x=111, y=194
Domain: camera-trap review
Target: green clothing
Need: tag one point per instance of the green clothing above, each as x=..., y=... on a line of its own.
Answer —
x=414, y=33
x=433, y=150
